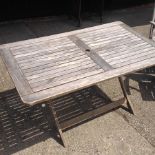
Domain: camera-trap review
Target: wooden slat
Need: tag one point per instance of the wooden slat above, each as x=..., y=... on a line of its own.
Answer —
x=37, y=64
x=44, y=53
x=50, y=58
x=128, y=53
x=61, y=61
x=107, y=31
x=131, y=56
x=58, y=68
x=137, y=58
x=116, y=43
x=53, y=82
x=58, y=76
x=106, y=37
x=91, y=114
x=102, y=43
x=121, y=49
x=38, y=49
x=59, y=71
x=149, y=41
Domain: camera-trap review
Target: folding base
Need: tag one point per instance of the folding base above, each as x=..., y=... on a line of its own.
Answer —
x=78, y=107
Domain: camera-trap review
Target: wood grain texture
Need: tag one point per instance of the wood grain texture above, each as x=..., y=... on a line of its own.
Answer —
x=92, y=54
x=16, y=73
x=49, y=67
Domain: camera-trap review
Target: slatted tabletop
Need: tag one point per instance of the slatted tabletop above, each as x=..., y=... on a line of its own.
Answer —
x=48, y=67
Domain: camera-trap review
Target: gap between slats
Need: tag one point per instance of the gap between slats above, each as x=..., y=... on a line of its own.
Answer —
x=66, y=79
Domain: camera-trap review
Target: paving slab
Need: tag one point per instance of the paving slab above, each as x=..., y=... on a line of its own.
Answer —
x=6, y=82
x=109, y=134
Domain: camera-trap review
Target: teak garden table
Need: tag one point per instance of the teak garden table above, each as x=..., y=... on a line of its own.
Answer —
x=49, y=67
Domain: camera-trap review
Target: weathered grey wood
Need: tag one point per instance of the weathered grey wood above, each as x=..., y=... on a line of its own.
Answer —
x=90, y=33
x=20, y=82
x=116, y=43
x=41, y=61
x=51, y=66
x=39, y=48
x=105, y=42
x=44, y=54
x=113, y=42
x=145, y=57
x=59, y=71
x=99, y=37
x=53, y=82
x=121, y=50
x=129, y=103
x=138, y=35
x=67, y=88
x=131, y=54
x=59, y=68
x=92, y=114
x=93, y=55
x=58, y=125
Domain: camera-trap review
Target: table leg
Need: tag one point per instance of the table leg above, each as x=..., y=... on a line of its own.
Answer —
x=58, y=125
x=129, y=103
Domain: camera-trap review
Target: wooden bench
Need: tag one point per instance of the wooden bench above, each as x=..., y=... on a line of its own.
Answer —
x=50, y=67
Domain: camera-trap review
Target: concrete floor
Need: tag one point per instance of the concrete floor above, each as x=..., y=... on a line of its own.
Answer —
x=115, y=133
